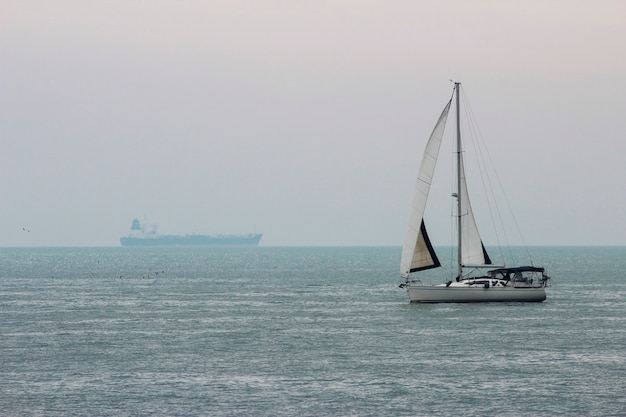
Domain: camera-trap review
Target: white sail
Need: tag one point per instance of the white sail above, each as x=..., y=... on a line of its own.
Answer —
x=417, y=252
x=472, y=250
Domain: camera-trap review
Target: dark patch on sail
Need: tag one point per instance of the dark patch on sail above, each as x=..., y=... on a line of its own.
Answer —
x=486, y=255
x=431, y=251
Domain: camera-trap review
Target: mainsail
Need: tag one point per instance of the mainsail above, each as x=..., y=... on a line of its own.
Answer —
x=417, y=251
x=473, y=252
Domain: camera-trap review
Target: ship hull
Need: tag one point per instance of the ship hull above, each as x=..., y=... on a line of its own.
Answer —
x=192, y=241
x=443, y=294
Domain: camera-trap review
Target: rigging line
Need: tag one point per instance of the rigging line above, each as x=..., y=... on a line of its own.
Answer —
x=510, y=208
x=504, y=194
x=484, y=150
x=490, y=198
x=481, y=165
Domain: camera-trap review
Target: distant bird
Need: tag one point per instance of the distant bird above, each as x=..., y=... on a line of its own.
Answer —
x=26, y=230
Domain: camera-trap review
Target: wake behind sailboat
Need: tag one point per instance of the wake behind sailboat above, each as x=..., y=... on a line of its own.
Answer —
x=524, y=283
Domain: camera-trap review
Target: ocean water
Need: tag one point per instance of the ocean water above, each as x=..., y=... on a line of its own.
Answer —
x=300, y=332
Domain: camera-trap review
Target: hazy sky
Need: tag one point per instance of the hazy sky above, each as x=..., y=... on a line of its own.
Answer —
x=304, y=120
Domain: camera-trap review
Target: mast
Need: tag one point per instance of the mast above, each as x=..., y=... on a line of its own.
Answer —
x=457, y=87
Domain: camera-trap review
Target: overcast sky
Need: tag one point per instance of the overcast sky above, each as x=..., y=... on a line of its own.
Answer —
x=303, y=120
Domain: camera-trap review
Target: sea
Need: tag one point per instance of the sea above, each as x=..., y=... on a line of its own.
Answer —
x=300, y=331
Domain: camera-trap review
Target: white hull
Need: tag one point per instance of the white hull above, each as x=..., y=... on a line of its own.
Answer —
x=443, y=294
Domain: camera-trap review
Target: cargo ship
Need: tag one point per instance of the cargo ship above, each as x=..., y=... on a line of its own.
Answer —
x=139, y=236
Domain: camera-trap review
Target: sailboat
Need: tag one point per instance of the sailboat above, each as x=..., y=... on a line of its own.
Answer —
x=477, y=278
